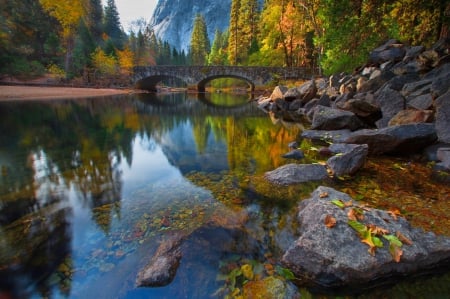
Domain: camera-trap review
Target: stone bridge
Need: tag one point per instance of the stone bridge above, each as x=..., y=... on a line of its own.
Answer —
x=198, y=76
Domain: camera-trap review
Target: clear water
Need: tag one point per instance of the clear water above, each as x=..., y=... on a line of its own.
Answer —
x=90, y=188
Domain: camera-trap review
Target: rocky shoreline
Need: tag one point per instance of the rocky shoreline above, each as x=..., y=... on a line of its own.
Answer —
x=397, y=104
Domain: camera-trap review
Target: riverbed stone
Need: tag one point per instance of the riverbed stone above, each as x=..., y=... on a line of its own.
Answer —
x=161, y=269
x=396, y=139
x=411, y=116
x=334, y=257
x=296, y=173
x=349, y=159
x=334, y=136
x=390, y=102
x=295, y=154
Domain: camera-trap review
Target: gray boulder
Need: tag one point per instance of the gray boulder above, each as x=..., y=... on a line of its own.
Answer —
x=390, y=102
x=349, y=159
x=326, y=118
x=334, y=256
x=278, y=92
x=295, y=154
x=442, y=105
x=396, y=139
x=296, y=173
x=443, y=155
x=334, y=136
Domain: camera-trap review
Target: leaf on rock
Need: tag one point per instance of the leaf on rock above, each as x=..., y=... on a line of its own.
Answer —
x=394, y=212
x=376, y=230
x=355, y=214
x=330, y=221
x=323, y=194
x=338, y=202
x=367, y=237
x=403, y=238
x=396, y=252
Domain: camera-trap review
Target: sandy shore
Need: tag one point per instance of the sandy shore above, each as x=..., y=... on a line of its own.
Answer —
x=8, y=93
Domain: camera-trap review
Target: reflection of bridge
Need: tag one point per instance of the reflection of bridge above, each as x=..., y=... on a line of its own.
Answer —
x=198, y=76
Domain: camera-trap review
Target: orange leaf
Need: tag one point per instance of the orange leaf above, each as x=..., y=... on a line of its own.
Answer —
x=376, y=230
x=323, y=194
x=330, y=221
x=355, y=214
x=394, y=212
x=403, y=238
x=348, y=203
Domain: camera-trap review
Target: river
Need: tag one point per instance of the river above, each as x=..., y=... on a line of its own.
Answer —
x=89, y=188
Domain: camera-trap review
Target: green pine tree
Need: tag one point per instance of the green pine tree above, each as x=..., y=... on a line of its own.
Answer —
x=199, y=42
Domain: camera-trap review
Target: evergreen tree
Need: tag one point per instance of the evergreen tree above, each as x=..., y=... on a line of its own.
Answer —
x=218, y=54
x=112, y=26
x=199, y=42
x=94, y=19
x=233, y=39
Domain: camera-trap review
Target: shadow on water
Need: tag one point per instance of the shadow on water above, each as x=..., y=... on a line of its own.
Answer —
x=89, y=188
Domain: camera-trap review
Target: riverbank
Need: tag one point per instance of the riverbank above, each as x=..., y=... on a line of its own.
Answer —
x=9, y=93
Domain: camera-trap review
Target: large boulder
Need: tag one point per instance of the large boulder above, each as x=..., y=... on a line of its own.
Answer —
x=396, y=139
x=349, y=158
x=297, y=173
x=442, y=105
x=333, y=252
x=326, y=118
x=334, y=136
x=392, y=50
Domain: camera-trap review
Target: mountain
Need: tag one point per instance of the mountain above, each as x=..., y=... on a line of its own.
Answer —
x=173, y=20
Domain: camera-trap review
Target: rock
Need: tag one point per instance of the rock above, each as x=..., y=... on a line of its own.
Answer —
x=294, y=154
x=440, y=85
x=295, y=105
x=326, y=118
x=350, y=158
x=413, y=52
x=270, y=287
x=293, y=145
x=405, y=117
x=377, y=82
x=278, y=92
x=335, y=136
x=336, y=258
x=442, y=106
x=391, y=50
x=390, y=102
x=430, y=152
x=307, y=91
x=364, y=110
x=296, y=173
x=422, y=102
x=292, y=94
x=398, y=82
x=161, y=269
x=443, y=155
x=397, y=139
x=417, y=88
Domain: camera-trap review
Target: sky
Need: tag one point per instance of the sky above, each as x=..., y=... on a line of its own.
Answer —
x=130, y=10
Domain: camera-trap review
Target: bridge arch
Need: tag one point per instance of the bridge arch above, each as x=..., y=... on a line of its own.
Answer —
x=201, y=85
x=150, y=82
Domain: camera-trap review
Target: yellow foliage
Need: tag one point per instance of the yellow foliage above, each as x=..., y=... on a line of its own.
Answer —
x=126, y=58
x=105, y=64
x=67, y=12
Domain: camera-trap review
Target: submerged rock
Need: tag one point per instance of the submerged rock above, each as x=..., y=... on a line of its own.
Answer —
x=163, y=266
x=335, y=256
x=297, y=173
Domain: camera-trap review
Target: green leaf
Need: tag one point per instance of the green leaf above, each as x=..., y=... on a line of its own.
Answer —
x=338, y=203
x=286, y=273
x=393, y=240
x=360, y=228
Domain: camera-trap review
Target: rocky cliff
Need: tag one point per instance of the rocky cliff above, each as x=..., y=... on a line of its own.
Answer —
x=173, y=20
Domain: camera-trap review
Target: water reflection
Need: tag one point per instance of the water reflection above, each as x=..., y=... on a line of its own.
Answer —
x=84, y=183
x=88, y=189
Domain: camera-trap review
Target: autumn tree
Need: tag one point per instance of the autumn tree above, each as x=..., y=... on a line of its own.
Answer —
x=199, y=42
x=68, y=13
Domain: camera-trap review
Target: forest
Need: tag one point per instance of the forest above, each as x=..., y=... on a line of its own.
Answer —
x=82, y=40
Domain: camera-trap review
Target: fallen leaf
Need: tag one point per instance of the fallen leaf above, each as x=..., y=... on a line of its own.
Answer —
x=394, y=212
x=355, y=214
x=348, y=203
x=376, y=230
x=396, y=252
x=330, y=221
x=403, y=238
x=323, y=194
x=338, y=202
